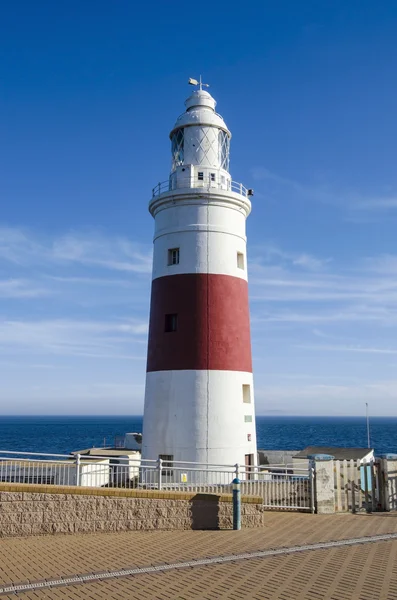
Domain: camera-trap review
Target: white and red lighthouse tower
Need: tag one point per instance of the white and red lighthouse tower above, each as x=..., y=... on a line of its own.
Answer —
x=199, y=400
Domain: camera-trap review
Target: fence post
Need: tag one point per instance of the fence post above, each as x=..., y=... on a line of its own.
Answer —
x=78, y=460
x=324, y=479
x=159, y=471
x=388, y=479
x=236, y=504
x=311, y=483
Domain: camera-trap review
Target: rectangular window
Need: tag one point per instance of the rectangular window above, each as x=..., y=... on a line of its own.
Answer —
x=240, y=260
x=246, y=394
x=200, y=176
x=212, y=176
x=173, y=256
x=247, y=418
x=168, y=463
x=171, y=323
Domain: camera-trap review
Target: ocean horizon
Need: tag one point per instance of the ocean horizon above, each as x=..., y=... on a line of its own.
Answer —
x=62, y=434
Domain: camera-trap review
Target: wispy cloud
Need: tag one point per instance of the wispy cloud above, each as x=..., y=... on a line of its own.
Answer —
x=347, y=348
x=364, y=289
x=270, y=253
x=384, y=264
x=308, y=310
x=328, y=399
x=106, y=339
x=327, y=193
x=21, y=288
x=94, y=249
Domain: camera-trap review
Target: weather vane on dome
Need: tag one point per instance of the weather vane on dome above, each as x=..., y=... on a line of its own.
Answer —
x=199, y=82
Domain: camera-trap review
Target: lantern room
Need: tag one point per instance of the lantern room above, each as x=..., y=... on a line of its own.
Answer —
x=200, y=143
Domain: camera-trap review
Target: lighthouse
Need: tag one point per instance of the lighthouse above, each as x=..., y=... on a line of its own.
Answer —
x=199, y=397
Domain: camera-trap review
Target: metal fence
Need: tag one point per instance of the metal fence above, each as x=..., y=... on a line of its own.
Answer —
x=357, y=486
x=282, y=487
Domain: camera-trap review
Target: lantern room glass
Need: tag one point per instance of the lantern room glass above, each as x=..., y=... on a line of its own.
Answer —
x=224, y=147
x=177, y=149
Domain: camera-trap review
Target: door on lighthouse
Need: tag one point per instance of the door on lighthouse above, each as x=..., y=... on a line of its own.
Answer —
x=249, y=462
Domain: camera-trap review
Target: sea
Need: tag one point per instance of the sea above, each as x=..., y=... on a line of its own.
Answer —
x=64, y=434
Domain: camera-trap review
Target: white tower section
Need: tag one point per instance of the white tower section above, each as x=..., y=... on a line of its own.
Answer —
x=199, y=400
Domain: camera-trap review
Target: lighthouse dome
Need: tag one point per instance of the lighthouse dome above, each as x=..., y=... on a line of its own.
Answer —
x=200, y=110
x=200, y=98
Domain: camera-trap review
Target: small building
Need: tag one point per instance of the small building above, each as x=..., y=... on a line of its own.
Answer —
x=130, y=441
x=275, y=457
x=123, y=463
x=92, y=473
x=361, y=455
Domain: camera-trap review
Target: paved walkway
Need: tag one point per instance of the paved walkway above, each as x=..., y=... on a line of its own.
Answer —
x=356, y=571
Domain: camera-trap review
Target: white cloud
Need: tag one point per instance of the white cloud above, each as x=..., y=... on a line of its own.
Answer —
x=21, y=288
x=94, y=249
x=71, y=278
x=323, y=192
x=270, y=252
x=328, y=399
x=346, y=348
x=101, y=339
x=362, y=290
x=116, y=254
x=384, y=264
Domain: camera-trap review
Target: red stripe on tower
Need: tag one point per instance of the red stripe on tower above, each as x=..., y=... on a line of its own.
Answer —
x=211, y=323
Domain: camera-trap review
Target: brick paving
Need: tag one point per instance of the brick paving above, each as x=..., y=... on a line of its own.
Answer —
x=365, y=572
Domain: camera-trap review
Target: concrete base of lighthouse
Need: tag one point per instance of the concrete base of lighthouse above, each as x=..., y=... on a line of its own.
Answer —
x=208, y=417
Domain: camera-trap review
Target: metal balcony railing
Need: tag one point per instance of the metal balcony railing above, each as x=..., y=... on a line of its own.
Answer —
x=203, y=184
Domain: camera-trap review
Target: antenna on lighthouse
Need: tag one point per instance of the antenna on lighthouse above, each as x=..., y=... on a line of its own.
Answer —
x=198, y=82
x=368, y=436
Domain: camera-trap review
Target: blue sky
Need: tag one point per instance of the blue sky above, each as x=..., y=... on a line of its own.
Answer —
x=89, y=93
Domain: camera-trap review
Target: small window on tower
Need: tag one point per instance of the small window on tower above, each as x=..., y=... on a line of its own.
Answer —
x=171, y=323
x=200, y=176
x=248, y=418
x=212, y=176
x=173, y=256
x=240, y=260
x=246, y=394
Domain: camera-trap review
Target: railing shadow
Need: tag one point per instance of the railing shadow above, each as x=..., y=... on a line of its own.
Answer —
x=205, y=511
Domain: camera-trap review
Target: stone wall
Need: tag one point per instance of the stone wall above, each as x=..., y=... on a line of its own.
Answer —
x=38, y=510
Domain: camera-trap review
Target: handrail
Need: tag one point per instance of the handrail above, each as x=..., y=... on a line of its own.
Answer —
x=147, y=463
x=34, y=453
